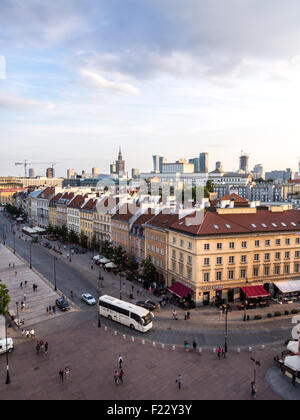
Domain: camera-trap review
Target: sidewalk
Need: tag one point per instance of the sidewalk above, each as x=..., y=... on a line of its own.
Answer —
x=36, y=302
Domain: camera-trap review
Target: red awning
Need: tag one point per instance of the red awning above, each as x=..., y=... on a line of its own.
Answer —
x=179, y=290
x=255, y=291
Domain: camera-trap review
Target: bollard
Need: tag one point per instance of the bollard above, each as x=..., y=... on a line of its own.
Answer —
x=132, y=339
x=143, y=341
x=162, y=346
x=262, y=347
x=238, y=350
x=154, y=344
x=124, y=336
x=214, y=350
x=173, y=347
x=250, y=349
x=116, y=332
x=105, y=328
x=200, y=350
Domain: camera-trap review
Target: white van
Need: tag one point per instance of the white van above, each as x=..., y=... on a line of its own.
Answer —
x=10, y=345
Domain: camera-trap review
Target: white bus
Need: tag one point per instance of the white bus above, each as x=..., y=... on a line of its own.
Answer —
x=132, y=316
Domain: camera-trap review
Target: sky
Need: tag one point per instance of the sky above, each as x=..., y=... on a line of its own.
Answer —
x=78, y=79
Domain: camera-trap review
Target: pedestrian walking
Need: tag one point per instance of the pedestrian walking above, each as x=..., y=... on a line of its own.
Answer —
x=179, y=381
x=54, y=309
x=121, y=374
x=158, y=307
x=47, y=310
x=223, y=352
x=46, y=347
x=23, y=332
x=32, y=334
x=21, y=285
x=120, y=361
x=27, y=333
x=37, y=347
x=42, y=345
x=219, y=351
x=25, y=283
x=23, y=306
x=24, y=297
x=194, y=345
x=188, y=315
x=67, y=372
x=16, y=274
x=36, y=287
x=186, y=345
x=253, y=390
x=132, y=288
x=61, y=374
x=116, y=377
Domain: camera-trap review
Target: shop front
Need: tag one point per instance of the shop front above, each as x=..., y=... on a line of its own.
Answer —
x=288, y=291
x=182, y=294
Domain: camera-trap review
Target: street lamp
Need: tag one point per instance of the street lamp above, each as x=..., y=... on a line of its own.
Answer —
x=256, y=364
x=99, y=316
x=17, y=304
x=7, y=364
x=30, y=255
x=120, y=287
x=14, y=238
x=54, y=273
x=245, y=302
x=226, y=328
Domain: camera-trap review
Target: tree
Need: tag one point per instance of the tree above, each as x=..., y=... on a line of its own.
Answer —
x=106, y=248
x=83, y=239
x=119, y=256
x=94, y=244
x=73, y=237
x=132, y=265
x=4, y=299
x=149, y=272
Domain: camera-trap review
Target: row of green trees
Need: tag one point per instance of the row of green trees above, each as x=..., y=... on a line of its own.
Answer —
x=13, y=210
x=4, y=299
x=118, y=255
x=64, y=235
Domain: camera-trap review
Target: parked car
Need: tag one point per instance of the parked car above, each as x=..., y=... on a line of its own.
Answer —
x=62, y=304
x=9, y=347
x=88, y=299
x=148, y=304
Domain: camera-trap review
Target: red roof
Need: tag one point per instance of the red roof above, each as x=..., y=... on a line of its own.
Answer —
x=232, y=223
x=255, y=291
x=77, y=202
x=180, y=290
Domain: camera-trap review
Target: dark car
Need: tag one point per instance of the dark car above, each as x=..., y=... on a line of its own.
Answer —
x=147, y=304
x=62, y=304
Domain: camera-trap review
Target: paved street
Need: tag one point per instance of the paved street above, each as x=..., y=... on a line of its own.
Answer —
x=206, y=326
x=150, y=372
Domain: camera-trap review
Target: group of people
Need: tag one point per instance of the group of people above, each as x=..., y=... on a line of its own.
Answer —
x=64, y=373
x=28, y=333
x=221, y=352
x=187, y=346
x=42, y=347
x=50, y=310
x=118, y=375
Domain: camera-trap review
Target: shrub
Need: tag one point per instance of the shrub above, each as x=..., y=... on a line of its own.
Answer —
x=294, y=311
x=257, y=317
x=269, y=315
x=286, y=312
x=277, y=313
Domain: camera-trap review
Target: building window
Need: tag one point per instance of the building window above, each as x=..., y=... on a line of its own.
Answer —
x=255, y=271
x=181, y=243
x=219, y=245
x=173, y=265
x=286, y=269
x=231, y=259
x=206, y=261
x=181, y=256
x=257, y=243
x=206, y=247
x=243, y=258
x=219, y=275
x=181, y=269
x=219, y=260
x=189, y=245
x=189, y=273
x=287, y=255
x=190, y=261
x=173, y=253
x=267, y=242
x=278, y=242
x=244, y=244
x=297, y=254
x=243, y=273
x=277, y=269
x=206, y=277
x=297, y=241
x=231, y=245
x=296, y=268
x=256, y=257
x=231, y=275
x=287, y=241
x=267, y=271
x=277, y=255
x=174, y=240
x=267, y=257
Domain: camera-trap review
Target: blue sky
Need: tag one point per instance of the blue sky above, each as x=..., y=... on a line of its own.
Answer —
x=156, y=77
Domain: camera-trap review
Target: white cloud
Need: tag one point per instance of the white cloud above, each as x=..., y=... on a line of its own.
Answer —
x=95, y=80
x=9, y=100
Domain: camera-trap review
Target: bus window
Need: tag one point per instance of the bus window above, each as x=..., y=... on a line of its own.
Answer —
x=137, y=318
x=147, y=319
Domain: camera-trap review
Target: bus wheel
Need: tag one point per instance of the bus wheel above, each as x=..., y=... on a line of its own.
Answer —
x=132, y=326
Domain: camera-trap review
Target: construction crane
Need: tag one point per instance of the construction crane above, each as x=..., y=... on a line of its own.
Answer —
x=26, y=163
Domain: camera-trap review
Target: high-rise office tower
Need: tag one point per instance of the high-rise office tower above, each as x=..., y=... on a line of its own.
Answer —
x=244, y=163
x=203, y=162
x=258, y=171
x=95, y=172
x=31, y=173
x=71, y=173
x=50, y=173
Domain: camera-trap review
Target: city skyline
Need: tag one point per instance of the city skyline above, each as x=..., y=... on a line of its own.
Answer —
x=155, y=77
